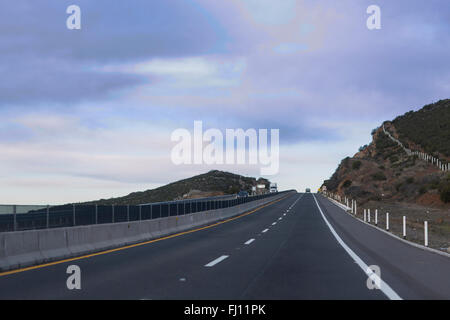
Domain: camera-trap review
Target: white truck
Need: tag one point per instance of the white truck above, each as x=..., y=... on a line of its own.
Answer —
x=273, y=187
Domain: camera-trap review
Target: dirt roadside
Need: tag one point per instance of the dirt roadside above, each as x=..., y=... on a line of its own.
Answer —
x=438, y=222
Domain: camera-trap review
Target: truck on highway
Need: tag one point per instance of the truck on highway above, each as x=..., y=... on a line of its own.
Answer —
x=273, y=187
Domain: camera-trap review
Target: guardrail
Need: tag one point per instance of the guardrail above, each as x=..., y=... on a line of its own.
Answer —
x=71, y=215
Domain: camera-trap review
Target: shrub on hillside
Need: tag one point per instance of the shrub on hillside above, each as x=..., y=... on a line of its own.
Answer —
x=393, y=158
x=362, y=148
x=444, y=189
x=356, y=165
x=409, y=180
x=379, y=176
x=423, y=189
x=383, y=142
x=347, y=183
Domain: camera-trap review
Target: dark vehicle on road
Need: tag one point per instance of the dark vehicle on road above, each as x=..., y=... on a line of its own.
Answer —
x=308, y=190
x=242, y=194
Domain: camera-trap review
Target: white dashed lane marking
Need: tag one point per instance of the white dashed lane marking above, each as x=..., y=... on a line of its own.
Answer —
x=214, y=262
x=250, y=241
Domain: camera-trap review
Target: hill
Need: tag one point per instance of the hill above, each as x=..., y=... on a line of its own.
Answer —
x=428, y=128
x=212, y=183
x=383, y=170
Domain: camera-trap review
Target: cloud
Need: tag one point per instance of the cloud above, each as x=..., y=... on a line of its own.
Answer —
x=43, y=62
x=97, y=106
x=50, y=81
x=200, y=71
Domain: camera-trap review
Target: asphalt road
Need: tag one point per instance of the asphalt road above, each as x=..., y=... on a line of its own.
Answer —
x=283, y=251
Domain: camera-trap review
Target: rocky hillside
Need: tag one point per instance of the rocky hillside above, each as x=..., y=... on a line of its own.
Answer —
x=212, y=183
x=382, y=170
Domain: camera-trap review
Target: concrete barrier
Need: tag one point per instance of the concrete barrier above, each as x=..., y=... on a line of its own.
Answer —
x=25, y=248
x=18, y=249
x=53, y=244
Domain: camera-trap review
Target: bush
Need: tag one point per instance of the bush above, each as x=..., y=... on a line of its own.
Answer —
x=409, y=180
x=445, y=193
x=356, y=165
x=383, y=142
x=379, y=176
x=423, y=190
x=444, y=189
x=393, y=159
x=347, y=183
x=434, y=185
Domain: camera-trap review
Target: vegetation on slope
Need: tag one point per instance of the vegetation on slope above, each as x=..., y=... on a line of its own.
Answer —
x=428, y=127
x=209, y=184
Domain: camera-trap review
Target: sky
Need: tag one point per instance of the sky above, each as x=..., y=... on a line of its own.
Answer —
x=89, y=113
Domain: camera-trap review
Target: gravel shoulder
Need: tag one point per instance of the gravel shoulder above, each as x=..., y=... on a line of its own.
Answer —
x=438, y=222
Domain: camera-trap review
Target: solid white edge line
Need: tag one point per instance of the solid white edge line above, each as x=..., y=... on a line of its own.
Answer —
x=249, y=241
x=384, y=287
x=216, y=261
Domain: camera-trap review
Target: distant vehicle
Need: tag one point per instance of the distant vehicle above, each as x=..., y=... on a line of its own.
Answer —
x=308, y=190
x=242, y=194
x=273, y=187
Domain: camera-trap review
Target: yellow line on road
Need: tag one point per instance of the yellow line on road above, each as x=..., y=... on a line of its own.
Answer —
x=137, y=244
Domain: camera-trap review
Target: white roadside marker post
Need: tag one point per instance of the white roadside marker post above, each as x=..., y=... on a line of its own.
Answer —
x=404, y=227
x=376, y=217
x=364, y=215
x=368, y=215
x=425, y=230
x=387, y=221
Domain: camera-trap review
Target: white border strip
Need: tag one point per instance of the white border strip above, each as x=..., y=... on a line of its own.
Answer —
x=384, y=287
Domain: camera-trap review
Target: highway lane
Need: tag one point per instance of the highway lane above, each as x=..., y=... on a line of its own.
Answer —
x=282, y=251
x=412, y=272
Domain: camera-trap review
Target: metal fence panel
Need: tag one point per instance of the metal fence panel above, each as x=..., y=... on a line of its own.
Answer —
x=21, y=217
